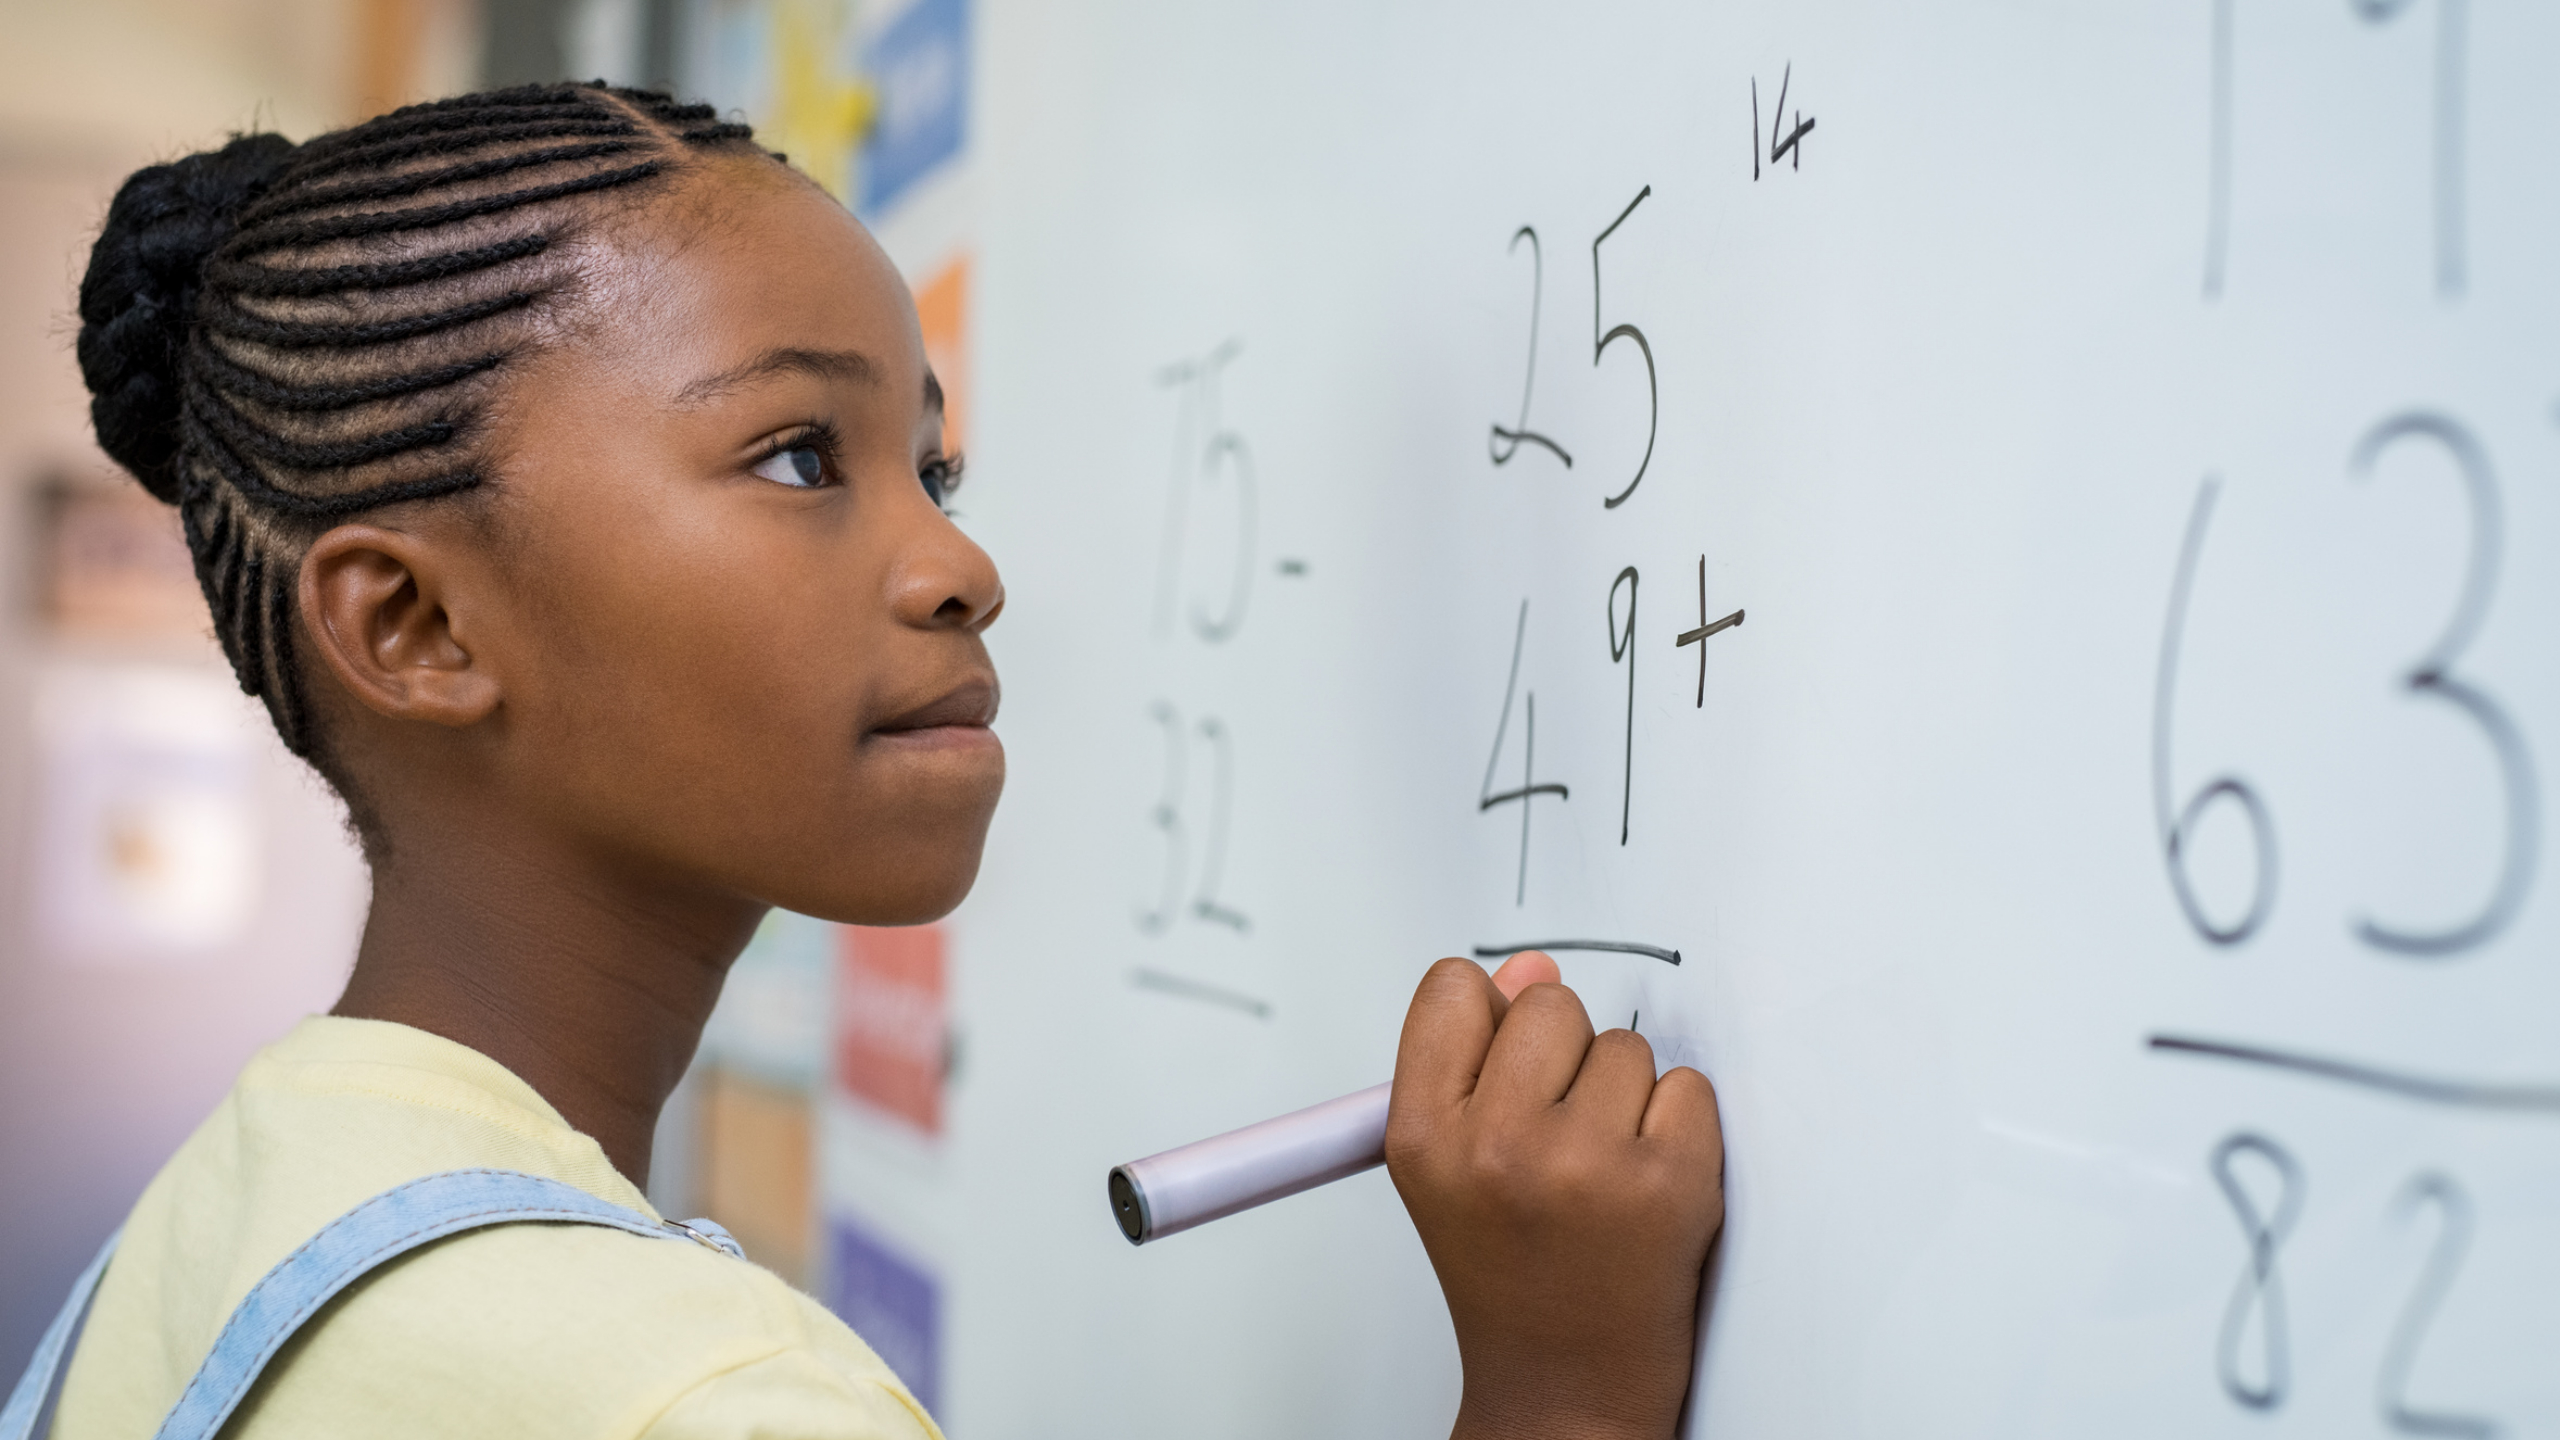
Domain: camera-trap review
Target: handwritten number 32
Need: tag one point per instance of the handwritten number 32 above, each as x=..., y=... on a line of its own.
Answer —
x=1167, y=816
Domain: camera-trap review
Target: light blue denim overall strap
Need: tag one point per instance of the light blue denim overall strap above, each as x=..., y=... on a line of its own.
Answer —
x=30, y=1408
x=347, y=1249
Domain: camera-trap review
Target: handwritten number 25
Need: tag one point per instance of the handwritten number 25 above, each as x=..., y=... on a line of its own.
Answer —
x=1505, y=440
x=1600, y=345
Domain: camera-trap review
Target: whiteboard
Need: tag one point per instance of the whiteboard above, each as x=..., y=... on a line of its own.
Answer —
x=2108, y=865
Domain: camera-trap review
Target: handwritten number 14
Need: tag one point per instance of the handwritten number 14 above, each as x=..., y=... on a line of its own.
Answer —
x=1787, y=148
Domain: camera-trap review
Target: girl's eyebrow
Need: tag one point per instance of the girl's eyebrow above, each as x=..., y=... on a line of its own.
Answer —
x=832, y=365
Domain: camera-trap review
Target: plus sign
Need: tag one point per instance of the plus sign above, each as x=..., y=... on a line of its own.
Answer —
x=1705, y=629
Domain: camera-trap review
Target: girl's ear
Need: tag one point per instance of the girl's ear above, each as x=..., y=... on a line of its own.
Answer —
x=377, y=606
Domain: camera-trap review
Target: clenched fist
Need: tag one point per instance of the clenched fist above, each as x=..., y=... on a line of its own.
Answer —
x=1566, y=1197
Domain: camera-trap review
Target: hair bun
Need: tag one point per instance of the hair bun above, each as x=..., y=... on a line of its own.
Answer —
x=138, y=298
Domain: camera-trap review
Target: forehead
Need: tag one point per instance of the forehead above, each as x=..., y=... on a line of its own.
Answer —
x=740, y=258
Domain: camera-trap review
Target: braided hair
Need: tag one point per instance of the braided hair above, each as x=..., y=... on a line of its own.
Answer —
x=277, y=337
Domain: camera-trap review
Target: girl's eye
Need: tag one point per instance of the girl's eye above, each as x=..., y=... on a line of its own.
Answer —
x=801, y=467
x=941, y=476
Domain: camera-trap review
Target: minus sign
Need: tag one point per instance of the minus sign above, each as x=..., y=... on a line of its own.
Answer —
x=1292, y=567
x=1146, y=978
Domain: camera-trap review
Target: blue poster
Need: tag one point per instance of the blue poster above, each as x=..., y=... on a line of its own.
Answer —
x=891, y=1302
x=921, y=65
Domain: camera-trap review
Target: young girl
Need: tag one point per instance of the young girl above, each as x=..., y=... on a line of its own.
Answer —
x=565, y=476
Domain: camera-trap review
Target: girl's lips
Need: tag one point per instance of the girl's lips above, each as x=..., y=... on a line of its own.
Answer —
x=970, y=705
x=940, y=737
x=954, y=722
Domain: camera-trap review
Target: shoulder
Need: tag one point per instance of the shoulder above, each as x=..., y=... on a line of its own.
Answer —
x=796, y=1393
x=577, y=1330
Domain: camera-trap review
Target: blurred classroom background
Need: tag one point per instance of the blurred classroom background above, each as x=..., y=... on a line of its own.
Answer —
x=175, y=891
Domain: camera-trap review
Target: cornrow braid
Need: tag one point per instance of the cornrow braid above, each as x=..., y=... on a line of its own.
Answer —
x=386, y=151
x=261, y=280
x=278, y=337
x=369, y=224
x=382, y=187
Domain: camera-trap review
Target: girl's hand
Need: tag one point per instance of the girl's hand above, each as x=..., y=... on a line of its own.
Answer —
x=1566, y=1198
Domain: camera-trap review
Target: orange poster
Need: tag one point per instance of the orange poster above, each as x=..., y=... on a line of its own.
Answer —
x=942, y=308
x=891, y=1029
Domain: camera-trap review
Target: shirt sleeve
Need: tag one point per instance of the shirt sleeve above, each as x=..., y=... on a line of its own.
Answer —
x=792, y=1395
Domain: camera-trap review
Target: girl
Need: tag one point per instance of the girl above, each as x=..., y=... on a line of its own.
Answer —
x=566, y=478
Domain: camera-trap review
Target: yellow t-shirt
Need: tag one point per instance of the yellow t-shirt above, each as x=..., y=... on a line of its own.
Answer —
x=549, y=1330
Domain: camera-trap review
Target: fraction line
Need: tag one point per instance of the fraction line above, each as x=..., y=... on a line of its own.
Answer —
x=1614, y=947
x=1187, y=989
x=2434, y=1090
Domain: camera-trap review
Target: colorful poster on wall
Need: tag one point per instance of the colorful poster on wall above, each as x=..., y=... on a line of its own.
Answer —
x=757, y=1148
x=892, y=1037
x=891, y=1301
x=942, y=309
x=149, y=836
x=116, y=565
x=793, y=68
x=920, y=62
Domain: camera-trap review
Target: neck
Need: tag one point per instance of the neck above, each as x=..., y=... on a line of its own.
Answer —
x=589, y=980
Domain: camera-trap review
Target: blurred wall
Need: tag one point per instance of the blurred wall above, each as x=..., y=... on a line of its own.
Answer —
x=174, y=890
x=627, y=42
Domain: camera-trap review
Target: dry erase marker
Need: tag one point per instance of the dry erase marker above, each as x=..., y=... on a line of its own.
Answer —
x=1207, y=1179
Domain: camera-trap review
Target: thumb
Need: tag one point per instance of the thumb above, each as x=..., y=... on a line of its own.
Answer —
x=1529, y=967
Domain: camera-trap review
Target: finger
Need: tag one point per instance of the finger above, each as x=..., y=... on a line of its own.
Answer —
x=1538, y=1050
x=1615, y=1083
x=1446, y=1032
x=1529, y=967
x=1682, y=1113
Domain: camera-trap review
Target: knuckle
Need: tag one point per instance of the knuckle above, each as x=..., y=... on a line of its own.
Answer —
x=1544, y=1176
x=1623, y=1045
x=1495, y=1161
x=1452, y=970
x=1549, y=1005
x=1692, y=1080
x=1408, y=1150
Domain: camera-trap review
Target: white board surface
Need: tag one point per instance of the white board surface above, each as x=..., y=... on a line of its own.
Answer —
x=2058, y=324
